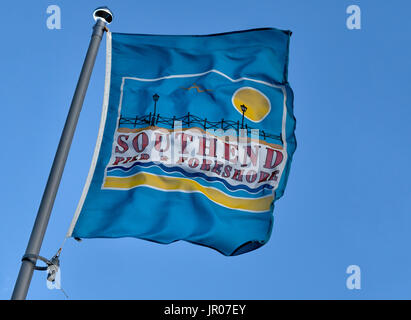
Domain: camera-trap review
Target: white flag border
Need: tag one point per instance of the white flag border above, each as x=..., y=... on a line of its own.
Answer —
x=99, y=137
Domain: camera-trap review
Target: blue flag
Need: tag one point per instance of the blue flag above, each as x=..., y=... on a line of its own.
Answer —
x=195, y=141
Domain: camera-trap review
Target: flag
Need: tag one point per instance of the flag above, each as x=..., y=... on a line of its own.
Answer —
x=195, y=141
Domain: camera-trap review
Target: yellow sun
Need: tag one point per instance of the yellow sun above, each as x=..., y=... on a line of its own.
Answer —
x=256, y=103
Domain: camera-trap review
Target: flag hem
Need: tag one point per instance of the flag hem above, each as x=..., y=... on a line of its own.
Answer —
x=99, y=137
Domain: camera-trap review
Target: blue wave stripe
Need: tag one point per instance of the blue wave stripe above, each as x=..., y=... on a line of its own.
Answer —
x=192, y=175
x=217, y=185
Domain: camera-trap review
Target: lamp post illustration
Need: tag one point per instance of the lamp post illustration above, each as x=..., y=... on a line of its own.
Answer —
x=243, y=109
x=155, y=98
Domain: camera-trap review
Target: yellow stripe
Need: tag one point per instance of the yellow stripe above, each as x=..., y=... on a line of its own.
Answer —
x=188, y=185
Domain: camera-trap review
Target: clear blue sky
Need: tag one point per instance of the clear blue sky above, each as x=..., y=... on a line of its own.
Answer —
x=348, y=199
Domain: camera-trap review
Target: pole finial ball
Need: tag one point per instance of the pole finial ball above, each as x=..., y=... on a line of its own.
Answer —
x=104, y=14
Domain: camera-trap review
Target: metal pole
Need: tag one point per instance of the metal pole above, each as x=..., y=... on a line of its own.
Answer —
x=102, y=16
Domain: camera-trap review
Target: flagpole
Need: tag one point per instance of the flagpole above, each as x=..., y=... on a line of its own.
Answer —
x=102, y=16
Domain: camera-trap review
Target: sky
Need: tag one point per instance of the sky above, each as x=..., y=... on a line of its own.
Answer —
x=348, y=198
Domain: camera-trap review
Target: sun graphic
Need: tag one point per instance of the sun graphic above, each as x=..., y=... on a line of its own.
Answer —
x=257, y=105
